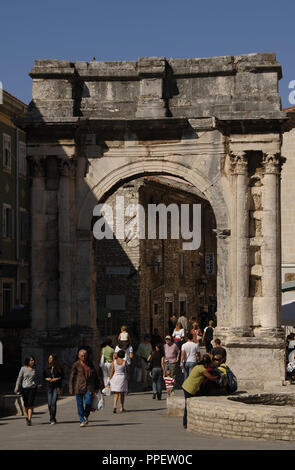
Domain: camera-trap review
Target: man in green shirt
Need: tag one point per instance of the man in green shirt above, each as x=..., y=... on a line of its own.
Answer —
x=106, y=359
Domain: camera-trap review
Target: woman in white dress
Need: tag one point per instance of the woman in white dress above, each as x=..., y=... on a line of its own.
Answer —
x=118, y=378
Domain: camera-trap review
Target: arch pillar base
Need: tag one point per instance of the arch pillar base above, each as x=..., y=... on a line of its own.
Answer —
x=257, y=361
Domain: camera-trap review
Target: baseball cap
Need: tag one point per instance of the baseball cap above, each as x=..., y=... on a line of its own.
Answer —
x=167, y=337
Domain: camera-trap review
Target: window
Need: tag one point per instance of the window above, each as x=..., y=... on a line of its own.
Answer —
x=182, y=307
x=22, y=159
x=7, y=152
x=23, y=293
x=7, y=221
x=24, y=225
x=7, y=297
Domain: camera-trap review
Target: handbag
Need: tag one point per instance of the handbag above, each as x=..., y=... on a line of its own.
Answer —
x=107, y=390
x=97, y=402
x=148, y=367
x=102, y=360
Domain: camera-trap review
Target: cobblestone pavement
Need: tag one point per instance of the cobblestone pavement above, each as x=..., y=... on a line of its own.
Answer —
x=143, y=426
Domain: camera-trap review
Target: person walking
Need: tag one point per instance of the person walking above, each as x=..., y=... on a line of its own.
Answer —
x=190, y=355
x=218, y=349
x=124, y=338
x=171, y=356
x=196, y=332
x=53, y=375
x=155, y=361
x=178, y=334
x=106, y=360
x=208, y=336
x=169, y=383
x=118, y=379
x=88, y=381
x=156, y=339
x=172, y=323
x=27, y=383
x=128, y=356
x=144, y=350
x=184, y=321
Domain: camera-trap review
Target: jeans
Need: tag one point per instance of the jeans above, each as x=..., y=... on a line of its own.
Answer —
x=208, y=346
x=52, y=399
x=188, y=367
x=157, y=374
x=172, y=366
x=83, y=404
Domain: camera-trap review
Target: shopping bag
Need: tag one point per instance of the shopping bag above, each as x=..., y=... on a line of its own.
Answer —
x=107, y=390
x=97, y=403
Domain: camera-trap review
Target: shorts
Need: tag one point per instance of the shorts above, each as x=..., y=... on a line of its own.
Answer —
x=29, y=395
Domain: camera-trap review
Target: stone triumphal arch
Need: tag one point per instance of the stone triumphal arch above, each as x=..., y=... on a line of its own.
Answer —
x=214, y=123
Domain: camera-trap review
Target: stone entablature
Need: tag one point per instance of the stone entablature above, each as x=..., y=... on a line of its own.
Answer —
x=240, y=87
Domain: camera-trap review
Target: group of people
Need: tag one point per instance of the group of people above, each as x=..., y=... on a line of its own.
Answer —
x=28, y=381
x=208, y=377
x=159, y=360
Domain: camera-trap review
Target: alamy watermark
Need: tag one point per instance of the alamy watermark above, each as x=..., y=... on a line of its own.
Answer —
x=130, y=222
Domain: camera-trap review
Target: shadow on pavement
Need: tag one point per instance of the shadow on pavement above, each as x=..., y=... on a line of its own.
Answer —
x=117, y=424
x=146, y=409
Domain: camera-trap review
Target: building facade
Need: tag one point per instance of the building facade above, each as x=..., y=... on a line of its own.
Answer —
x=15, y=208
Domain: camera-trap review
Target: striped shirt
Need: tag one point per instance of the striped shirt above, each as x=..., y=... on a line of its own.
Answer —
x=169, y=382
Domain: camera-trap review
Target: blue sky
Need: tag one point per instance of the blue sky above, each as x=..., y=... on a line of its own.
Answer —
x=128, y=29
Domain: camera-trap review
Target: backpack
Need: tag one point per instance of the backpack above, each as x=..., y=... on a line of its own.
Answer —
x=228, y=379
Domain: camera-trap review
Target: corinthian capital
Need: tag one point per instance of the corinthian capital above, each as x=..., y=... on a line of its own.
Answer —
x=238, y=163
x=272, y=163
x=67, y=166
x=37, y=165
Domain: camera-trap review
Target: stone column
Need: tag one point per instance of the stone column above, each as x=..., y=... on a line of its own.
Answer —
x=65, y=207
x=240, y=244
x=38, y=244
x=271, y=247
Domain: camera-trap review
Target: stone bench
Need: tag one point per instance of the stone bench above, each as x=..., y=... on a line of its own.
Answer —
x=175, y=405
x=257, y=416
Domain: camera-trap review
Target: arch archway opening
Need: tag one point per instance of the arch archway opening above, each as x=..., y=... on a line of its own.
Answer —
x=147, y=282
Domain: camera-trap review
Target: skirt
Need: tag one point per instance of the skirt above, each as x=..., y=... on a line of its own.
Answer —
x=29, y=395
x=119, y=383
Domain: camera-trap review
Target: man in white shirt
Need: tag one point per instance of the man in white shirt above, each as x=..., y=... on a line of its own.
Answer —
x=128, y=353
x=190, y=354
x=184, y=322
